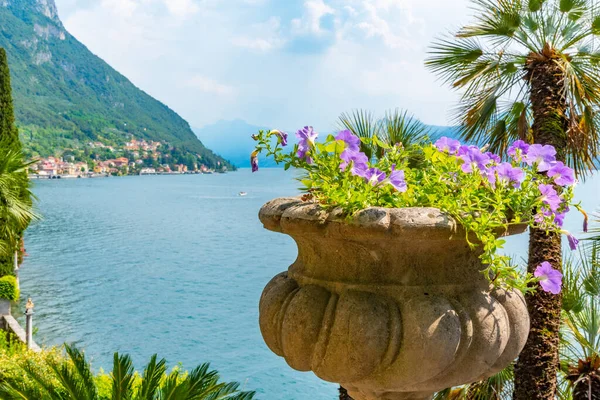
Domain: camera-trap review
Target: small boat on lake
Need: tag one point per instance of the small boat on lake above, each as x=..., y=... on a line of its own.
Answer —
x=242, y=194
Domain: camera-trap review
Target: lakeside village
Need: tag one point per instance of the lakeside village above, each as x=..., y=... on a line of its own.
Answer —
x=142, y=158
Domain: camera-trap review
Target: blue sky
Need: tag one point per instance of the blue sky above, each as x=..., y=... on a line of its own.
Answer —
x=279, y=63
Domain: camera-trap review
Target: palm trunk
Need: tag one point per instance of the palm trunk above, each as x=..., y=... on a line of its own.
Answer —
x=588, y=387
x=537, y=366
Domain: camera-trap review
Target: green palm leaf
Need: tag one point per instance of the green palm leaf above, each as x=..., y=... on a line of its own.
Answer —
x=122, y=377
x=151, y=378
x=398, y=127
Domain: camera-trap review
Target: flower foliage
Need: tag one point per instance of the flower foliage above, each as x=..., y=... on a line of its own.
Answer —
x=481, y=191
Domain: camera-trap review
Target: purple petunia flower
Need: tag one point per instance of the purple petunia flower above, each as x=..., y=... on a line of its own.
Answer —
x=573, y=241
x=254, y=161
x=550, y=278
x=562, y=174
x=281, y=136
x=358, y=159
x=509, y=174
x=550, y=197
x=446, y=144
x=543, y=156
x=462, y=150
x=494, y=157
x=518, y=149
x=559, y=218
x=306, y=137
x=352, y=141
x=473, y=158
x=397, y=180
x=374, y=176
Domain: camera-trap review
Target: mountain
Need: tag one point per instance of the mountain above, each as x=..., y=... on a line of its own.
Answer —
x=66, y=97
x=232, y=140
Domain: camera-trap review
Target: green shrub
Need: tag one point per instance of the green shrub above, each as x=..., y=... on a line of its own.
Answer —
x=6, y=267
x=8, y=288
x=52, y=374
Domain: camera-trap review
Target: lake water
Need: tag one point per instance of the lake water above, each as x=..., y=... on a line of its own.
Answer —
x=173, y=265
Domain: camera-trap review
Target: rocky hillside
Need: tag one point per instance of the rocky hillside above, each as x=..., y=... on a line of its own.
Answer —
x=66, y=97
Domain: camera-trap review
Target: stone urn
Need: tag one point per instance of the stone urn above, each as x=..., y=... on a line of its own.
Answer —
x=391, y=304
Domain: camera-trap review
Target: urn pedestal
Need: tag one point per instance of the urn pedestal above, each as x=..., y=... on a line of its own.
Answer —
x=390, y=304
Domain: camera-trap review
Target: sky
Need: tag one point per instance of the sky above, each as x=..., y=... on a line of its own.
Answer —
x=277, y=63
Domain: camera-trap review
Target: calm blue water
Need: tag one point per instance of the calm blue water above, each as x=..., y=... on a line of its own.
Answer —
x=173, y=265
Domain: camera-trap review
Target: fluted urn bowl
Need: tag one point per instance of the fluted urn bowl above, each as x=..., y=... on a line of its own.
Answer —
x=391, y=303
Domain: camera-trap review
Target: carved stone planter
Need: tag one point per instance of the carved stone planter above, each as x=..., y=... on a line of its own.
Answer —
x=391, y=305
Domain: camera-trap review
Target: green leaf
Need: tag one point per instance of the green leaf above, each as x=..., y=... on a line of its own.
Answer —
x=576, y=15
x=330, y=147
x=510, y=68
x=531, y=23
x=596, y=26
x=535, y=5
x=566, y=5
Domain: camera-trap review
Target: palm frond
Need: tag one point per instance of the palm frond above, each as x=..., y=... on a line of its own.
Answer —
x=82, y=368
x=151, y=378
x=69, y=379
x=122, y=377
x=399, y=127
x=497, y=387
x=581, y=329
x=15, y=200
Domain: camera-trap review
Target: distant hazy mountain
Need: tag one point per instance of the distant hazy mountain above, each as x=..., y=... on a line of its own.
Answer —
x=232, y=140
x=65, y=96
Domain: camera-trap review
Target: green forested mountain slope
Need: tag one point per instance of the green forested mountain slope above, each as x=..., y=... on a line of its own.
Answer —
x=65, y=96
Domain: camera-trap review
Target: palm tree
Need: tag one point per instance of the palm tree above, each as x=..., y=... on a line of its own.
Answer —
x=580, y=349
x=527, y=69
x=71, y=379
x=396, y=127
x=497, y=387
x=15, y=200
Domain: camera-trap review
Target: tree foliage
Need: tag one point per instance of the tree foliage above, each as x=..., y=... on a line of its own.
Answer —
x=51, y=376
x=490, y=61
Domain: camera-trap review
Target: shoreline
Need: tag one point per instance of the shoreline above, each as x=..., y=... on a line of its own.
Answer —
x=93, y=176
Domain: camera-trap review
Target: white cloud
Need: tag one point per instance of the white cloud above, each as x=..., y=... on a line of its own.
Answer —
x=310, y=23
x=181, y=8
x=376, y=26
x=258, y=44
x=211, y=86
x=263, y=37
x=249, y=71
x=124, y=8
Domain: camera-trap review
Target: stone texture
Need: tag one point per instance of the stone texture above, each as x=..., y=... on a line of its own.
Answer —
x=391, y=303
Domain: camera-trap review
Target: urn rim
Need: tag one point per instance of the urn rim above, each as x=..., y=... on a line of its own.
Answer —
x=293, y=216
